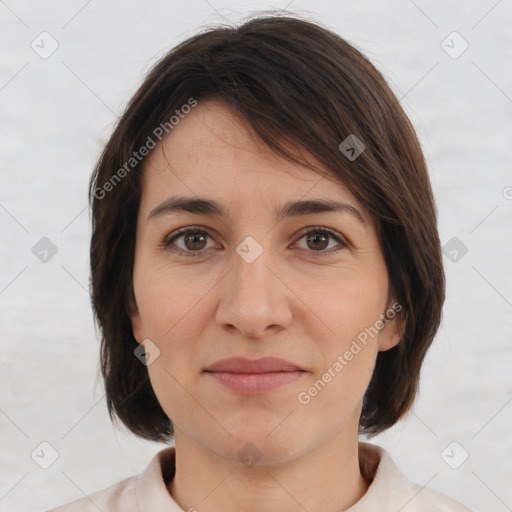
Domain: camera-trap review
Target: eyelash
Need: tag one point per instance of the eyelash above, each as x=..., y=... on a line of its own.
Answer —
x=168, y=242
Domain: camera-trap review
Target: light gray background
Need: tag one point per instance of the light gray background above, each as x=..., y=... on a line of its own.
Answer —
x=56, y=114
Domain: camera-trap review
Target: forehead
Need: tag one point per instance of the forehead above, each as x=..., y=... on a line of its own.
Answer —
x=213, y=152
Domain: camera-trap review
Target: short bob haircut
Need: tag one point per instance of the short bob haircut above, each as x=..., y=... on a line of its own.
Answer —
x=297, y=82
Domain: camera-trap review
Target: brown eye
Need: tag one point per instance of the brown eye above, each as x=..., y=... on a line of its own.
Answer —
x=194, y=242
x=317, y=240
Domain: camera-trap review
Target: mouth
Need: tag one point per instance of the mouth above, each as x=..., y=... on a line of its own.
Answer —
x=262, y=365
x=254, y=377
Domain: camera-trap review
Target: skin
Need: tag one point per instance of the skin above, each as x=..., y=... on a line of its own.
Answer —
x=286, y=303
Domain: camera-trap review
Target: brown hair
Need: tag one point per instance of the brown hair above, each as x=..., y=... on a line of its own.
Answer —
x=296, y=81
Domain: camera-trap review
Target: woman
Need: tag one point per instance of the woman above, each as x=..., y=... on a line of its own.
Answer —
x=266, y=274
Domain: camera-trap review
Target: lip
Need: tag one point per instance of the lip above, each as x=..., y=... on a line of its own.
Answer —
x=241, y=365
x=254, y=377
x=255, y=383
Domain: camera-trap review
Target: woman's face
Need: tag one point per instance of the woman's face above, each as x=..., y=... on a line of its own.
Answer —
x=254, y=284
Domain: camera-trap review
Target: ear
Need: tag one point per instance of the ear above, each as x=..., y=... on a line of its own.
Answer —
x=393, y=329
x=135, y=320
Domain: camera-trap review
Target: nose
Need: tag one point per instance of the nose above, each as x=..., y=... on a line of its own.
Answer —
x=254, y=298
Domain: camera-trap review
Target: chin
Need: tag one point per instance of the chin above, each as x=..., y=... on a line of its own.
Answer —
x=261, y=446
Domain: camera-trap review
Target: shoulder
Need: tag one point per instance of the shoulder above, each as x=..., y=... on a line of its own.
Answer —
x=146, y=491
x=392, y=490
x=116, y=498
x=430, y=500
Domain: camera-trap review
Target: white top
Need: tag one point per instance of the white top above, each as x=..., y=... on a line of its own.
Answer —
x=389, y=491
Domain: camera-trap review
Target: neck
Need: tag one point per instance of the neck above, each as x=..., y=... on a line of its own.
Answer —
x=326, y=479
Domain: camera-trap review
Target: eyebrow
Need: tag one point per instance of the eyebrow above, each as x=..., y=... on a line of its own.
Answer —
x=204, y=206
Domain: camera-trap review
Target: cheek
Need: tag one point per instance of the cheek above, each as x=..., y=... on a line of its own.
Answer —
x=349, y=310
x=172, y=315
x=338, y=388
x=346, y=305
x=173, y=318
x=168, y=298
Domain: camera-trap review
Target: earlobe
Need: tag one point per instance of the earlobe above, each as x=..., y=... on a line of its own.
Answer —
x=136, y=321
x=389, y=342
x=390, y=335
x=394, y=320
